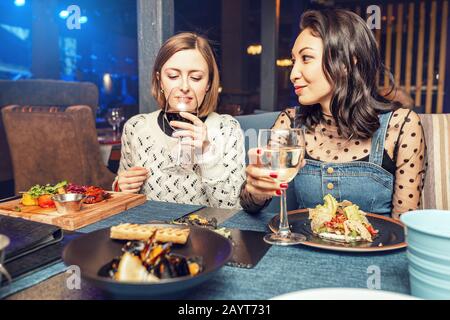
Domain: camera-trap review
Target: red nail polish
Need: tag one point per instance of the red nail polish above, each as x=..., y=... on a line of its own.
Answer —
x=273, y=175
x=258, y=151
x=278, y=192
x=284, y=185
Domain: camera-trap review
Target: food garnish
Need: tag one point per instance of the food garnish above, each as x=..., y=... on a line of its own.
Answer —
x=341, y=221
x=45, y=201
x=28, y=200
x=41, y=196
x=95, y=194
x=196, y=220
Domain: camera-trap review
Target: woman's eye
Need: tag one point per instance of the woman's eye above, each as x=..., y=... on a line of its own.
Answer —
x=306, y=58
x=172, y=76
x=196, y=78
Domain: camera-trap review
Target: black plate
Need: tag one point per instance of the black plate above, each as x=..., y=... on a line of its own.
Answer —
x=93, y=251
x=391, y=234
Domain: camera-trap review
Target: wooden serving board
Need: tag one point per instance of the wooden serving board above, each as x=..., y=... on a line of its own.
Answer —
x=90, y=213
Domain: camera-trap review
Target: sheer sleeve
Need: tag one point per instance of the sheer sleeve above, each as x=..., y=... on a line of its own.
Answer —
x=409, y=154
x=248, y=202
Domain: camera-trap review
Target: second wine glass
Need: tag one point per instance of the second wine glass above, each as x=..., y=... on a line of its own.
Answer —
x=115, y=117
x=282, y=153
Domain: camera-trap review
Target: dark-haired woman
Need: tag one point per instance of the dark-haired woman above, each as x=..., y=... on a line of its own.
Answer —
x=359, y=146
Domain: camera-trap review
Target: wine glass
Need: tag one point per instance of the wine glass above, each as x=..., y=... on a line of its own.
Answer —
x=115, y=117
x=283, y=151
x=181, y=100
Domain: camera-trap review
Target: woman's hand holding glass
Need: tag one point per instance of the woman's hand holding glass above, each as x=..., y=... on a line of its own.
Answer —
x=280, y=156
x=181, y=113
x=194, y=134
x=131, y=180
x=261, y=182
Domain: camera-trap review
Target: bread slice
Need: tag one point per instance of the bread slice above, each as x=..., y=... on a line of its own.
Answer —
x=175, y=235
x=142, y=232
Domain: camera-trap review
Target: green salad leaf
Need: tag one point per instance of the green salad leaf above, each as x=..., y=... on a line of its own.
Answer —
x=37, y=190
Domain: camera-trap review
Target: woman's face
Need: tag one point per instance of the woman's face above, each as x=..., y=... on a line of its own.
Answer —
x=186, y=75
x=310, y=84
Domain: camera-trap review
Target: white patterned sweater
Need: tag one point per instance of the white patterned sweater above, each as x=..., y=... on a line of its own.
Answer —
x=215, y=178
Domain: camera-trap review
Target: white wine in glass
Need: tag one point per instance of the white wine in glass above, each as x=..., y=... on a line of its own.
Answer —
x=283, y=151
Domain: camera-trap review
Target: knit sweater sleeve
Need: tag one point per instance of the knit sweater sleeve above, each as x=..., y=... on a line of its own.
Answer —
x=222, y=167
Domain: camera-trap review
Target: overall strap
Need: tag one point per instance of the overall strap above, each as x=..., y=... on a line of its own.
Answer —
x=378, y=139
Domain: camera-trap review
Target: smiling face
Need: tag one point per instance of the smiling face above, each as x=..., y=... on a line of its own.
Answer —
x=310, y=83
x=185, y=78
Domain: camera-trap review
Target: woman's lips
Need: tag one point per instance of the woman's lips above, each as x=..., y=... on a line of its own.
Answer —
x=184, y=99
x=299, y=89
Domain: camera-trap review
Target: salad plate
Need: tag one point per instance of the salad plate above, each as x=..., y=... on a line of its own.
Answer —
x=346, y=228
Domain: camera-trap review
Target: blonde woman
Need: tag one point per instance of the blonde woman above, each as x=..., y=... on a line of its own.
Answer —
x=186, y=63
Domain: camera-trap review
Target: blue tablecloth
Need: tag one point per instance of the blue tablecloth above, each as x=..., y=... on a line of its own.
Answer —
x=282, y=269
x=288, y=269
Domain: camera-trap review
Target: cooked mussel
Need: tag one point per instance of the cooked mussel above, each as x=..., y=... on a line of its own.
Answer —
x=134, y=247
x=151, y=261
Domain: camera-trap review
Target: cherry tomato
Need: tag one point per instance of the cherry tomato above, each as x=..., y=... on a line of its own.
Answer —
x=45, y=201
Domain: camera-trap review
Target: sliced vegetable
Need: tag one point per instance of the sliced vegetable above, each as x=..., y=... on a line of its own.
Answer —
x=28, y=200
x=45, y=201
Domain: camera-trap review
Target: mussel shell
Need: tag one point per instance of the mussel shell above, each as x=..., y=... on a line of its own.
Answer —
x=114, y=265
x=134, y=247
x=163, y=268
x=180, y=265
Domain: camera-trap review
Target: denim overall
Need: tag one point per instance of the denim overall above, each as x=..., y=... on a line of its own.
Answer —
x=365, y=183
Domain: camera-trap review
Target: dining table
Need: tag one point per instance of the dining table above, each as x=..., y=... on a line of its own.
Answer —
x=281, y=270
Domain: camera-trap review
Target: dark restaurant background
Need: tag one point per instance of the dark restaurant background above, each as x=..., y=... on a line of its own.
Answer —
x=35, y=43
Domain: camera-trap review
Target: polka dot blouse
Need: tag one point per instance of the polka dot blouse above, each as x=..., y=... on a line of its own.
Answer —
x=405, y=145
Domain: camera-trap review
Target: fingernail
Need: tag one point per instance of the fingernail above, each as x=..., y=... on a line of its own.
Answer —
x=258, y=151
x=284, y=185
x=278, y=192
x=273, y=175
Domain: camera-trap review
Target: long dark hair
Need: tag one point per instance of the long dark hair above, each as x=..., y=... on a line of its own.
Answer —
x=351, y=61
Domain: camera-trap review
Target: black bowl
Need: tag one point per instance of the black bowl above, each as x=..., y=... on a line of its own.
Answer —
x=94, y=251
